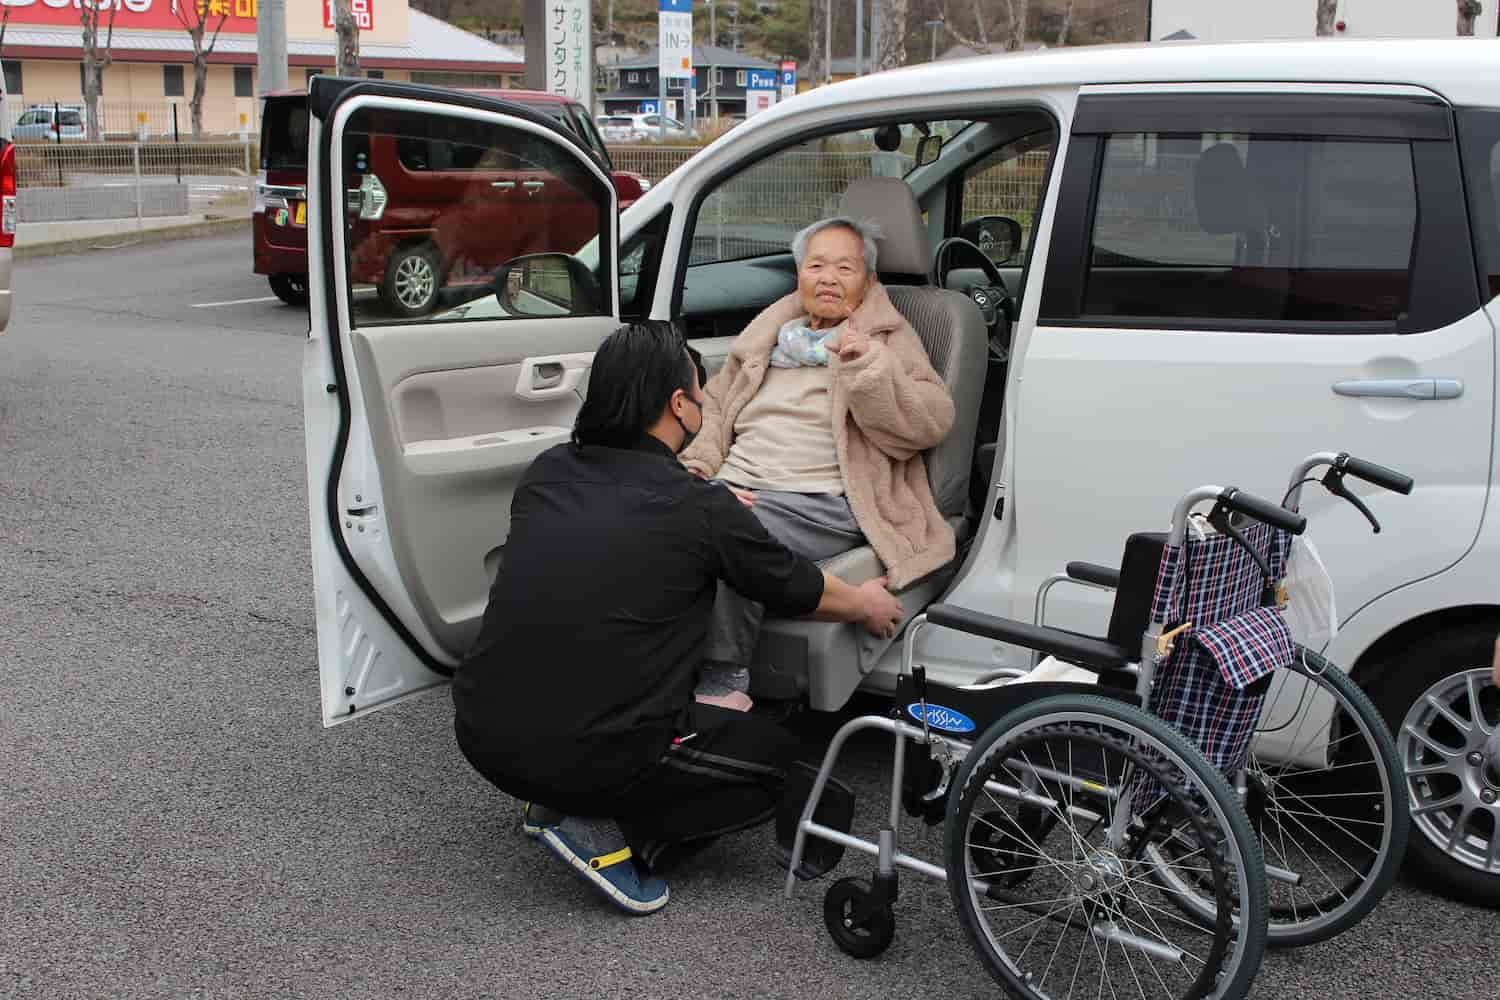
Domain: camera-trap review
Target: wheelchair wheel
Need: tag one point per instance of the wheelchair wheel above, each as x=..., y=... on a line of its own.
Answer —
x=1070, y=791
x=860, y=924
x=1325, y=795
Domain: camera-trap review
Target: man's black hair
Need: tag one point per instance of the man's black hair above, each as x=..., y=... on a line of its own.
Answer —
x=635, y=372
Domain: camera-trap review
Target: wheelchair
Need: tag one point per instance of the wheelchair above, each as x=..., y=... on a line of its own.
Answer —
x=1112, y=836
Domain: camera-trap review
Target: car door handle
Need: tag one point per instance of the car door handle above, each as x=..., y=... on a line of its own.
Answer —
x=504, y=185
x=552, y=377
x=532, y=187
x=1401, y=388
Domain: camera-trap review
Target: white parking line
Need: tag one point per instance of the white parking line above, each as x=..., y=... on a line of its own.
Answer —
x=234, y=302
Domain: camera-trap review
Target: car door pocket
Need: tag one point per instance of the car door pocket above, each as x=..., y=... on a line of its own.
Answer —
x=482, y=452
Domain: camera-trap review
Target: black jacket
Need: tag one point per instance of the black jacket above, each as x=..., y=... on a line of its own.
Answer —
x=591, y=643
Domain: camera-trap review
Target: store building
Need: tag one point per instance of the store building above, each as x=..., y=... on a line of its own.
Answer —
x=152, y=71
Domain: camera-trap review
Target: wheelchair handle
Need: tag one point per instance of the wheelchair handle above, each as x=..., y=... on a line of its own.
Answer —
x=1263, y=511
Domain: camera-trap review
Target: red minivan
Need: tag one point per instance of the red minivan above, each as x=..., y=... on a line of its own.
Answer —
x=408, y=273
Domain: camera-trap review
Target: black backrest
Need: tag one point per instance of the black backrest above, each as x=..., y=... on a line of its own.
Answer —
x=1139, y=567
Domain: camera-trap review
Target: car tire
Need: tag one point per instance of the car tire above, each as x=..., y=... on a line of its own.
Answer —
x=413, y=279
x=1420, y=691
x=290, y=288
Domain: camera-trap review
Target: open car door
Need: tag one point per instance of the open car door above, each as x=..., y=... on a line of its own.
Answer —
x=418, y=429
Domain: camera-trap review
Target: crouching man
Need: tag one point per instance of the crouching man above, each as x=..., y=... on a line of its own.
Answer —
x=578, y=694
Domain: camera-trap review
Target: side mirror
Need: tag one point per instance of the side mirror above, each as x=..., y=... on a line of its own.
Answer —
x=998, y=237
x=928, y=149
x=546, y=284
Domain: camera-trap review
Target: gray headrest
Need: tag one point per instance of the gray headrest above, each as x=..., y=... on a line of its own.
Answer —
x=903, y=247
x=1221, y=190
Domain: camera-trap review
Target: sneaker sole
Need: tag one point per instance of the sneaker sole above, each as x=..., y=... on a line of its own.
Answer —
x=609, y=889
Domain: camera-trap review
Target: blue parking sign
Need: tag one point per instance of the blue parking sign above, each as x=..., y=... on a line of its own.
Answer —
x=648, y=107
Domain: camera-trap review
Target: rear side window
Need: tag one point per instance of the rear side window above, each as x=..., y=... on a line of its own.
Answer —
x=71, y=118
x=284, y=135
x=1227, y=226
x=1479, y=136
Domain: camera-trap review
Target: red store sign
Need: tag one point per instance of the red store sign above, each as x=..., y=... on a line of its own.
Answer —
x=157, y=15
x=363, y=11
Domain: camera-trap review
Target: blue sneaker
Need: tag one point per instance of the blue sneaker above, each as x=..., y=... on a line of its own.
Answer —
x=615, y=874
x=536, y=818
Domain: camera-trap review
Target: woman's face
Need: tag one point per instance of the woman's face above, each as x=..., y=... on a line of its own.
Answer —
x=832, y=279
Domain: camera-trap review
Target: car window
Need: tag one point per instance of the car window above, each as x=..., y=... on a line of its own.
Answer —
x=35, y=118
x=1480, y=142
x=589, y=133
x=452, y=219
x=1008, y=183
x=71, y=118
x=757, y=211
x=284, y=135
x=1234, y=226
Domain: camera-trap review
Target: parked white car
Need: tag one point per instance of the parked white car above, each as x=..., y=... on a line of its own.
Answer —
x=642, y=127
x=1197, y=264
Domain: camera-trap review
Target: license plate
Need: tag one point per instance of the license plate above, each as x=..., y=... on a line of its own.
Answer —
x=299, y=215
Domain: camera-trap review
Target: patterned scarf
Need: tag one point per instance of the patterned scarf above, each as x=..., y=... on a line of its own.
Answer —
x=799, y=345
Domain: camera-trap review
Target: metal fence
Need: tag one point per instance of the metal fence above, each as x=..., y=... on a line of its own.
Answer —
x=74, y=181
x=130, y=120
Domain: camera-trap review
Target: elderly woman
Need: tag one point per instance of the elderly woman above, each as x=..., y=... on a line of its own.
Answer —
x=817, y=421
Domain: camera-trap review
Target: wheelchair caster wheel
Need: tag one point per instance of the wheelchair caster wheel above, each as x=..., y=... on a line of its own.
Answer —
x=860, y=924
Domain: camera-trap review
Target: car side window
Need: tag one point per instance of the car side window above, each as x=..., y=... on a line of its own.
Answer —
x=1244, y=226
x=1479, y=132
x=1008, y=183
x=450, y=218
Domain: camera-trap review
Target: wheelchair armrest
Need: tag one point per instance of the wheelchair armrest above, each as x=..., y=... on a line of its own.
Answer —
x=1085, y=651
x=1099, y=576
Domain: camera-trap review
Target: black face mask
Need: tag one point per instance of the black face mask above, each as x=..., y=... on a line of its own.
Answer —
x=687, y=435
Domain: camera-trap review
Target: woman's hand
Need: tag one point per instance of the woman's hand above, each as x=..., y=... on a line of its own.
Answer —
x=744, y=496
x=853, y=343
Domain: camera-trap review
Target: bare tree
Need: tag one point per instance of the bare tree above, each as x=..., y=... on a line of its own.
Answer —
x=195, y=19
x=347, y=32
x=894, y=18
x=1067, y=25
x=1014, y=22
x=96, y=59
x=817, y=20
x=1468, y=10
x=1327, y=12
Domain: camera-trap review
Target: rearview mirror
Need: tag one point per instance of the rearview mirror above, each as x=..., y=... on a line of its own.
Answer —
x=998, y=237
x=546, y=284
x=928, y=149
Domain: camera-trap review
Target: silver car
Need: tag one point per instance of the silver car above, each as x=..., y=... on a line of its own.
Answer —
x=44, y=121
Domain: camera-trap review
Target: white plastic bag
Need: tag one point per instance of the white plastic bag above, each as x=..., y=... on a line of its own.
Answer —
x=1310, y=610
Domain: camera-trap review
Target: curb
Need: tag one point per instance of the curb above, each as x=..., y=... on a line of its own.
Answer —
x=129, y=238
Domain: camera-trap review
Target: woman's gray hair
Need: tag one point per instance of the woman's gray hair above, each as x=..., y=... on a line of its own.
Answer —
x=868, y=230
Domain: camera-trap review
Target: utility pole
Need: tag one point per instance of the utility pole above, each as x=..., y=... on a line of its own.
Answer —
x=713, y=75
x=270, y=45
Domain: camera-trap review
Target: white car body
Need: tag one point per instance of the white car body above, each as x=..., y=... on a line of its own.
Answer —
x=1104, y=425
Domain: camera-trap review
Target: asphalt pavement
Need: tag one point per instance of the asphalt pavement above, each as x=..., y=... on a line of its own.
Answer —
x=174, y=820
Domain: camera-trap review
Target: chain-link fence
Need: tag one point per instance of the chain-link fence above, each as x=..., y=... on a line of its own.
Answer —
x=75, y=181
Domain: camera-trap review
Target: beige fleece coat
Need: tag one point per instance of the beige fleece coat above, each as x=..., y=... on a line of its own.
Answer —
x=888, y=407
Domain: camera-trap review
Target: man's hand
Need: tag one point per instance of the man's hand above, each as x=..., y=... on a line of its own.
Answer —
x=854, y=343
x=880, y=610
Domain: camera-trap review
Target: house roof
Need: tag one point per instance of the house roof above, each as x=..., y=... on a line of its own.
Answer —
x=703, y=55
x=431, y=42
